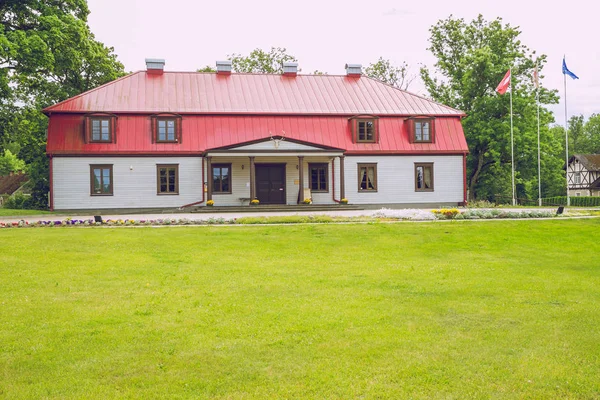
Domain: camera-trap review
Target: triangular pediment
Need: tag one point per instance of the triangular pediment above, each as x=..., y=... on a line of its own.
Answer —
x=277, y=143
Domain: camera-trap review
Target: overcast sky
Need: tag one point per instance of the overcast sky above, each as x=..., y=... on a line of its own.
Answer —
x=324, y=35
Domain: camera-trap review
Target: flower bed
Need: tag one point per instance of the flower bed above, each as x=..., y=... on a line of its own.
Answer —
x=384, y=213
x=115, y=222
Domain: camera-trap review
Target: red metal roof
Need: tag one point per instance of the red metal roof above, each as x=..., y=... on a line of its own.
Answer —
x=211, y=93
x=203, y=132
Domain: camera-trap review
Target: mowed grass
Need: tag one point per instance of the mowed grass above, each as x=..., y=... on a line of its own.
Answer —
x=7, y=212
x=495, y=309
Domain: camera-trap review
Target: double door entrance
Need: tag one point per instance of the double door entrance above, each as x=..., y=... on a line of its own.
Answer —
x=270, y=183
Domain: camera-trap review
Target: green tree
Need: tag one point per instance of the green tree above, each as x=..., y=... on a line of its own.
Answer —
x=207, y=68
x=47, y=54
x=472, y=59
x=384, y=71
x=577, y=135
x=592, y=132
x=260, y=61
x=10, y=163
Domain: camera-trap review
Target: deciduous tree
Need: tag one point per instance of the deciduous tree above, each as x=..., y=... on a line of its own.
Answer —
x=47, y=54
x=472, y=58
x=260, y=61
x=384, y=71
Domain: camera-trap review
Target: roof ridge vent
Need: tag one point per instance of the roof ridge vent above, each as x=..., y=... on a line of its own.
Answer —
x=290, y=68
x=155, y=65
x=354, y=70
x=224, y=67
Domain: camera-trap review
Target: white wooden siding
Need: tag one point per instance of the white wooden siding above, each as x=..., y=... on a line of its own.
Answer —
x=396, y=180
x=134, y=182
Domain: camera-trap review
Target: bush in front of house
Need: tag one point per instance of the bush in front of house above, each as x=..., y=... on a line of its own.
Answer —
x=19, y=201
x=576, y=201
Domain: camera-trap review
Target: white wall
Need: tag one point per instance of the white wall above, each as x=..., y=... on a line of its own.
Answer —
x=396, y=180
x=134, y=182
x=136, y=188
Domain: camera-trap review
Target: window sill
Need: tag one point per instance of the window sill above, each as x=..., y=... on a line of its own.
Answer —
x=423, y=141
x=221, y=192
x=423, y=190
x=367, y=191
x=101, y=194
x=319, y=191
x=167, y=142
x=100, y=142
x=167, y=194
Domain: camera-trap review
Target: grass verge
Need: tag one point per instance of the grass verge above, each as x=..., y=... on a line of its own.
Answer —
x=449, y=310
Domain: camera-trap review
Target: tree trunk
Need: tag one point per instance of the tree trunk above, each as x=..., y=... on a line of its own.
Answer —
x=475, y=177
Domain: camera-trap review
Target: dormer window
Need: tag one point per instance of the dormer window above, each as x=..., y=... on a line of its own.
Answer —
x=100, y=128
x=422, y=130
x=166, y=128
x=364, y=129
x=101, y=131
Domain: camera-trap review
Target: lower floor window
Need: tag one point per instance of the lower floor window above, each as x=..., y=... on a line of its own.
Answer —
x=167, y=179
x=424, y=177
x=101, y=180
x=367, y=177
x=318, y=177
x=221, y=174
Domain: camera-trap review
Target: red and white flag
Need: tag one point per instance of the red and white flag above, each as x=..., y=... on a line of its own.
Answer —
x=504, y=83
x=536, y=77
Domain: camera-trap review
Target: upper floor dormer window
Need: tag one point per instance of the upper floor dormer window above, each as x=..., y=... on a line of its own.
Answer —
x=100, y=128
x=364, y=129
x=421, y=130
x=101, y=131
x=166, y=128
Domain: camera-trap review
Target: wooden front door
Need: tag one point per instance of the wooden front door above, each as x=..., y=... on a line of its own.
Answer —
x=270, y=183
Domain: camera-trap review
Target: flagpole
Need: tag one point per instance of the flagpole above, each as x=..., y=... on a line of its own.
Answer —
x=566, y=143
x=538, y=134
x=512, y=146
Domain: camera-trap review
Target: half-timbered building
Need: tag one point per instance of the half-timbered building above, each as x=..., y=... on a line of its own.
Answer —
x=583, y=174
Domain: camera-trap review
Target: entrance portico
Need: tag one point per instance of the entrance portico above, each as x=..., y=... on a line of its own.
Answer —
x=275, y=171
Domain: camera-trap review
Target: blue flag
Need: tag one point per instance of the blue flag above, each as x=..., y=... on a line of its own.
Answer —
x=567, y=72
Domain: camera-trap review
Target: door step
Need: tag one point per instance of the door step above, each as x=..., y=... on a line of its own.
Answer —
x=276, y=208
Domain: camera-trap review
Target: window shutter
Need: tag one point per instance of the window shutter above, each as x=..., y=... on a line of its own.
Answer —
x=353, y=130
x=113, y=122
x=432, y=130
x=153, y=129
x=376, y=127
x=179, y=129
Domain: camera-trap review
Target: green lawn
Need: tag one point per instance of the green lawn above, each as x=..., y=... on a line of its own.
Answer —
x=7, y=212
x=495, y=309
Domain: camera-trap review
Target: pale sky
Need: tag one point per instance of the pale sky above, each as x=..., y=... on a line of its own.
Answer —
x=325, y=35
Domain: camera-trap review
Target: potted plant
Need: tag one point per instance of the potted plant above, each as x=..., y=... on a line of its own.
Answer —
x=307, y=201
x=210, y=203
x=254, y=202
x=343, y=201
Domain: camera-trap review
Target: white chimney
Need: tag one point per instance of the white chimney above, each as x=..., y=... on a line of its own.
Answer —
x=224, y=67
x=290, y=68
x=155, y=65
x=353, y=69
